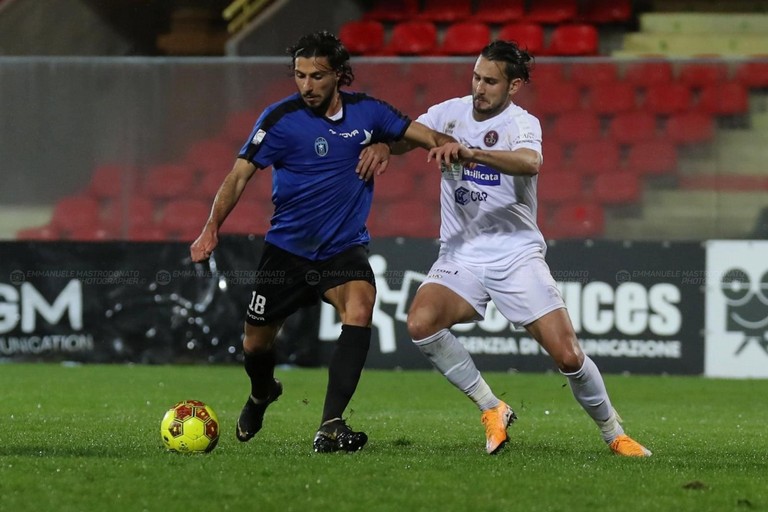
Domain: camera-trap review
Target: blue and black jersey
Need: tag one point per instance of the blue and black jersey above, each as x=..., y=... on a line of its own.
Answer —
x=321, y=205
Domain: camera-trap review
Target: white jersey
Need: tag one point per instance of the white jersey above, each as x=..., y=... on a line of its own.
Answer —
x=487, y=217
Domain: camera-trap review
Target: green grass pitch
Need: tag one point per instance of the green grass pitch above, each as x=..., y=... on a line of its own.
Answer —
x=86, y=438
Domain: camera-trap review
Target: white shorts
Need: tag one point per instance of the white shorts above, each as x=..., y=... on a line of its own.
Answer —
x=523, y=292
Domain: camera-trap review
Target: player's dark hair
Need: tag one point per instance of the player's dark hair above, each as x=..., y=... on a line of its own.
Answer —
x=324, y=44
x=517, y=62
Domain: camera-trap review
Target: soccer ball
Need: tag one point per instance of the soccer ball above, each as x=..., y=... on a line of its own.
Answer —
x=190, y=426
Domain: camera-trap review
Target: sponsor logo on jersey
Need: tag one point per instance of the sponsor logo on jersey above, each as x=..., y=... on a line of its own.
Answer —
x=491, y=138
x=482, y=175
x=321, y=146
x=465, y=196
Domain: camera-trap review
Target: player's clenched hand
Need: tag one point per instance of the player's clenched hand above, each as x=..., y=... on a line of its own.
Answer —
x=450, y=152
x=202, y=248
x=373, y=161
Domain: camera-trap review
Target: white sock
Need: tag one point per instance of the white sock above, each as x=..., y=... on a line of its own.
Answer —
x=589, y=390
x=449, y=356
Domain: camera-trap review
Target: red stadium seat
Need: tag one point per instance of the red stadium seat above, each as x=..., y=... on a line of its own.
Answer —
x=552, y=11
x=548, y=72
x=465, y=38
x=445, y=11
x=167, y=181
x=183, y=217
x=647, y=73
x=91, y=233
x=130, y=211
x=74, y=212
x=362, y=37
x=148, y=233
x=573, y=127
x=595, y=157
x=667, y=99
x=555, y=98
x=690, y=128
x=213, y=155
x=701, y=74
x=606, y=11
x=578, y=220
x=729, y=98
x=239, y=126
x=397, y=185
x=616, y=188
x=753, y=74
x=248, y=217
x=633, y=126
x=529, y=36
x=499, y=11
x=574, y=40
x=392, y=10
x=554, y=157
x=558, y=187
x=410, y=218
x=412, y=38
x=652, y=157
x=40, y=233
x=612, y=98
x=108, y=181
x=592, y=73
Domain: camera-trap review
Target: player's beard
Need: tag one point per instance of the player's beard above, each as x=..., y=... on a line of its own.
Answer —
x=322, y=107
x=486, y=108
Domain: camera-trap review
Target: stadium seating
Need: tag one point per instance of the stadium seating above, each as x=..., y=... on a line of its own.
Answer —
x=668, y=98
x=412, y=38
x=753, y=74
x=74, y=212
x=529, y=36
x=617, y=188
x=184, y=218
x=585, y=73
x=499, y=11
x=445, y=11
x=571, y=40
x=215, y=154
x=579, y=219
x=248, y=217
x=700, y=74
x=558, y=187
x=362, y=37
x=552, y=11
x=554, y=98
x=606, y=11
x=578, y=126
x=633, y=126
x=167, y=181
x=648, y=73
x=393, y=10
x=110, y=180
x=612, y=98
x=652, y=157
x=465, y=38
x=38, y=233
x=724, y=99
x=690, y=128
x=595, y=157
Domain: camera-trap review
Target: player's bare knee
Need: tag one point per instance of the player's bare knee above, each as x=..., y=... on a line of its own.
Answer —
x=421, y=324
x=570, y=359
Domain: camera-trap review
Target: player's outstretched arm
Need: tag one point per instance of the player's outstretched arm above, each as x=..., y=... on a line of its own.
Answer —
x=419, y=135
x=226, y=198
x=519, y=162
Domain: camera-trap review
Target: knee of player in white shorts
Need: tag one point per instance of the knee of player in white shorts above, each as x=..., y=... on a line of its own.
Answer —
x=421, y=325
x=569, y=358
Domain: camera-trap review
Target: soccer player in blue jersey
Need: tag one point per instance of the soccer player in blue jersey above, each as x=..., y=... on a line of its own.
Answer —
x=322, y=145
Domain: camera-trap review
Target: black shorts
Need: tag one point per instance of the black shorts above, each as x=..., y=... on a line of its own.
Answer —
x=286, y=282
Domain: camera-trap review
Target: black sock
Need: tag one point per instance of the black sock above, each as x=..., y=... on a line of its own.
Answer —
x=260, y=367
x=345, y=368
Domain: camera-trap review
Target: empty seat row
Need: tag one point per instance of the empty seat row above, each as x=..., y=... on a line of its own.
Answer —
x=422, y=38
x=502, y=11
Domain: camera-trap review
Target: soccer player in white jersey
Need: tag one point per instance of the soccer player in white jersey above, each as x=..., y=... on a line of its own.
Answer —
x=492, y=249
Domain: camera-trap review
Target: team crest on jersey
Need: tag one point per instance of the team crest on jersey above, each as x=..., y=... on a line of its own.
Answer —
x=321, y=146
x=491, y=138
